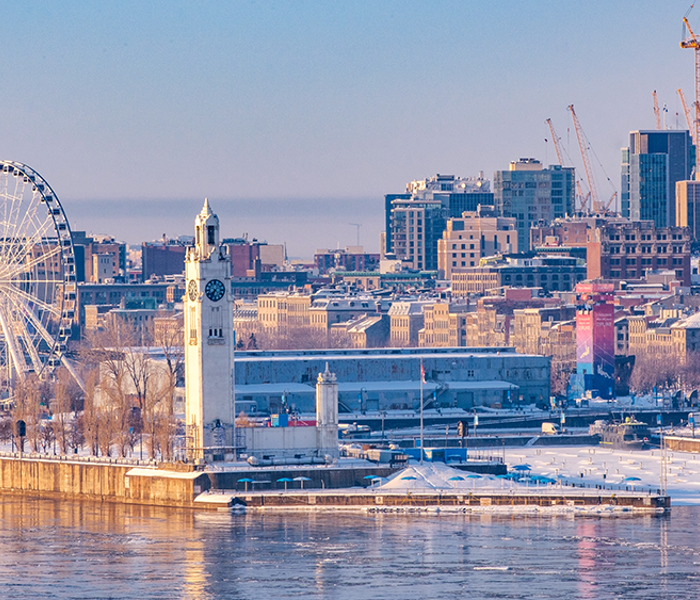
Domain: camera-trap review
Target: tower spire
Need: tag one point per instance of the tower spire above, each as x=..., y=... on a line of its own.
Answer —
x=206, y=231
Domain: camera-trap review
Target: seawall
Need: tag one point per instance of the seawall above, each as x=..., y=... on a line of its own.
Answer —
x=100, y=481
x=128, y=482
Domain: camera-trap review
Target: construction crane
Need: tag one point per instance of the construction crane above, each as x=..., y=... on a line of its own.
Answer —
x=583, y=199
x=693, y=42
x=584, y=157
x=657, y=114
x=611, y=202
x=686, y=111
x=555, y=138
x=358, y=225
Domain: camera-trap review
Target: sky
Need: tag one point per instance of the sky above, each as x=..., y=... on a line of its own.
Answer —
x=302, y=104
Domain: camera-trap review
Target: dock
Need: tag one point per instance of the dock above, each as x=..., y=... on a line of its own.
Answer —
x=377, y=500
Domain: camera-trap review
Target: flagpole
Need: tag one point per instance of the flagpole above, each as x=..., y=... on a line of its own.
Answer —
x=422, y=380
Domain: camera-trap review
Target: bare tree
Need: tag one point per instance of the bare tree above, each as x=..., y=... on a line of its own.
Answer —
x=654, y=371
x=62, y=417
x=168, y=336
x=28, y=408
x=559, y=377
x=91, y=411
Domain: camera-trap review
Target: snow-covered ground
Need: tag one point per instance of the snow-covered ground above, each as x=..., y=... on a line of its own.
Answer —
x=617, y=469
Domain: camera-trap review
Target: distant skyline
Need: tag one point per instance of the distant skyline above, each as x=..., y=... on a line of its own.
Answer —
x=302, y=101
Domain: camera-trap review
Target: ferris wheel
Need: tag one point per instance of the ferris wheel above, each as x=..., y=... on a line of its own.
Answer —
x=37, y=275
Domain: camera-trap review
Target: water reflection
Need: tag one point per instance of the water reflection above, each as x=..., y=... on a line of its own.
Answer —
x=89, y=550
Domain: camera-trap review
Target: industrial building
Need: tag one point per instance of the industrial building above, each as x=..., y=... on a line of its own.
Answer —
x=390, y=379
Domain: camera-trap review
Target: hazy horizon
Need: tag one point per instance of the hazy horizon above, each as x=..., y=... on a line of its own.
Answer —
x=305, y=225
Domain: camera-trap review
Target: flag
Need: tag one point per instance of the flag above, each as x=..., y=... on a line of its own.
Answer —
x=422, y=372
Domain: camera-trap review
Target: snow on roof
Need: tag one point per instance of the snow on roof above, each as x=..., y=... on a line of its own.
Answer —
x=358, y=386
x=429, y=386
x=275, y=388
x=141, y=472
x=689, y=323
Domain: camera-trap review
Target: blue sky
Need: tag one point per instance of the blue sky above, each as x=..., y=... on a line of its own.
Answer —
x=323, y=100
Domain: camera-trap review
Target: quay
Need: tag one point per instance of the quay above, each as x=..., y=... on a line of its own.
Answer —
x=431, y=487
x=574, y=500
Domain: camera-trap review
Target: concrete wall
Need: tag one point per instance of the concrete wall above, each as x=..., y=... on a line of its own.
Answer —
x=99, y=481
x=104, y=482
x=280, y=441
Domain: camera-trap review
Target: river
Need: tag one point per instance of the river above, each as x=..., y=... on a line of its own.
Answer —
x=65, y=549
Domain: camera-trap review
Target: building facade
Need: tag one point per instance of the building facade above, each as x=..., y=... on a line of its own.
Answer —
x=551, y=273
x=531, y=194
x=450, y=194
x=350, y=258
x=620, y=249
x=162, y=258
x=416, y=226
x=688, y=209
x=595, y=338
x=651, y=165
x=472, y=236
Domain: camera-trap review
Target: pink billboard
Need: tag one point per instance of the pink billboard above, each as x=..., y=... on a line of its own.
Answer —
x=584, y=342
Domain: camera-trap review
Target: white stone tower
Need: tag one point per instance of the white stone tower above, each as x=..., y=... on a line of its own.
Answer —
x=208, y=339
x=327, y=414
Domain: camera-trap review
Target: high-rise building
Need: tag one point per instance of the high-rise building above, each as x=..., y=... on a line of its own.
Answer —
x=473, y=235
x=416, y=226
x=688, y=208
x=651, y=166
x=531, y=194
x=453, y=194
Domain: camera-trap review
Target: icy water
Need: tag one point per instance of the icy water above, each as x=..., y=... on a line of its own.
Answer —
x=53, y=549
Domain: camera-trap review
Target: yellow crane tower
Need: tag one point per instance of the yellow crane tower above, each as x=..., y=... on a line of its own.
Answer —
x=686, y=111
x=584, y=157
x=583, y=199
x=657, y=114
x=693, y=43
x=555, y=139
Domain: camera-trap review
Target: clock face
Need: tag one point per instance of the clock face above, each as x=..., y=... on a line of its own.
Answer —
x=215, y=290
x=192, y=291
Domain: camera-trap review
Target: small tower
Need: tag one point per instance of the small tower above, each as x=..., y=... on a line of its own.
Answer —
x=208, y=340
x=327, y=414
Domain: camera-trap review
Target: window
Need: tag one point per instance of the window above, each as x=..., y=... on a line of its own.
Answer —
x=193, y=325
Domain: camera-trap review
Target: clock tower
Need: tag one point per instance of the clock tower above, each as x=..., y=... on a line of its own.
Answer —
x=208, y=340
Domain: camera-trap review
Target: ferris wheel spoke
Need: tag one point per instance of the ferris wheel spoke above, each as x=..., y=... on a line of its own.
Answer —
x=17, y=267
x=25, y=245
x=27, y=218
x=31, y=342
x=38, y=302
x=11, y=343
x=16, y=201
x=41, y=330
x=32, y=223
